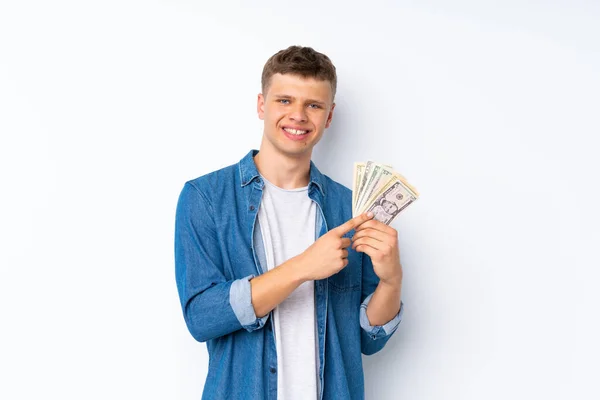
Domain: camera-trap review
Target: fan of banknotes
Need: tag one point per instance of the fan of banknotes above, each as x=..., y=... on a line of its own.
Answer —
x=381, y=190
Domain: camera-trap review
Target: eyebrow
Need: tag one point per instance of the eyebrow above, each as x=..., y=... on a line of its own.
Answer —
x=286, y=96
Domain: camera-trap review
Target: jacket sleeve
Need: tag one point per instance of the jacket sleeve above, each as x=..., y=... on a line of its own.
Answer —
x=212, y=305
x=373, y=338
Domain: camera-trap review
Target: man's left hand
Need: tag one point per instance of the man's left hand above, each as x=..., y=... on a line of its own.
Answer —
x=380, y=242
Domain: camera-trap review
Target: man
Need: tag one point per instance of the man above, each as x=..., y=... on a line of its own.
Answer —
x=284, y=287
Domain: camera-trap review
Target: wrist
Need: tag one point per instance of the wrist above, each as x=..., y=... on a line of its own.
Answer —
x=392, y=282
x=295, y=270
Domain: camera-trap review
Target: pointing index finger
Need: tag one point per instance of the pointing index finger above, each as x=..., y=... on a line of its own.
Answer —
x=352, y=223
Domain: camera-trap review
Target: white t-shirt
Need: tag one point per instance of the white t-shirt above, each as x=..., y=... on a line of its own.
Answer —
x=287, y=221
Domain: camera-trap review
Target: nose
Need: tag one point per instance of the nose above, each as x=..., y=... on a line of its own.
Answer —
x=298, y=114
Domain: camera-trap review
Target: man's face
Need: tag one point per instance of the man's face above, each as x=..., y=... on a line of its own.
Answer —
x=389, y=207
x=293, y=102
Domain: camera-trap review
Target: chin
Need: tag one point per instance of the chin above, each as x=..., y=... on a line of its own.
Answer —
x=296, y=150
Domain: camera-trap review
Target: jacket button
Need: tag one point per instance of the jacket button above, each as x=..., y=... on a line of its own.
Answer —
x=273, y=370
x=251, y=208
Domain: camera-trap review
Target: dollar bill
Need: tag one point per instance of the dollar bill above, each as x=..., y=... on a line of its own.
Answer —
x=374, y=174
x=380, y=176
x=359, y=170
x=394, y=198
x=363, y=179
x=396, y=177
x=372, y=183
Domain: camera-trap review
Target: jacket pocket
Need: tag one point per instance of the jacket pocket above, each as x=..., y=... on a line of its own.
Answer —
x=349, y=278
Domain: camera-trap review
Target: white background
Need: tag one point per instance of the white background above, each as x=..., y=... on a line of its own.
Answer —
x=491, y=109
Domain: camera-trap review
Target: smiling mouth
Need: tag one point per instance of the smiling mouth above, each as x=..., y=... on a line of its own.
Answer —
x=296, y=132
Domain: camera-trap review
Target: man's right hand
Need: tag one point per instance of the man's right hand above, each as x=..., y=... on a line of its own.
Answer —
x=325, y=257
x=328, y=254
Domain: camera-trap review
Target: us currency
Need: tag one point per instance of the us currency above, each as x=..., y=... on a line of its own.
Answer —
x=407, y=185
x=380, y=176
x=392, y=199
x=368, y=180
x=395, y=176
x=359, y=170
x=363, y=181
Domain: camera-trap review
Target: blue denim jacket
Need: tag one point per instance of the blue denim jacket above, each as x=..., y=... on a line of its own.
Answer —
x=219, y=248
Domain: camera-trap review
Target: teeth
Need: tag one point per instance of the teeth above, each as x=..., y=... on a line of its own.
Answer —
x=294, y=131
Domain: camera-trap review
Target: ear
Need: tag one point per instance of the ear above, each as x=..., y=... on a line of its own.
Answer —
x=330, y=116
x=260, y=106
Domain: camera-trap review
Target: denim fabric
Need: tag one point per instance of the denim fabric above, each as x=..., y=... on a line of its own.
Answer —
x=219, y=248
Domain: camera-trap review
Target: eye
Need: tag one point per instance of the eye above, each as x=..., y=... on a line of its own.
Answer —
x=315, y=105
x=280, y=100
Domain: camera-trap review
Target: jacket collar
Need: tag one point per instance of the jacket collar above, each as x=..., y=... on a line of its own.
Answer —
x=248, y=172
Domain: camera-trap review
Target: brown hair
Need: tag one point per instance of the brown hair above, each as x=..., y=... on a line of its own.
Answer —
x=303, y=61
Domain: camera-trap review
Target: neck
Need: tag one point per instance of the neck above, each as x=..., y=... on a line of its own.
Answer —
x=282, y=170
